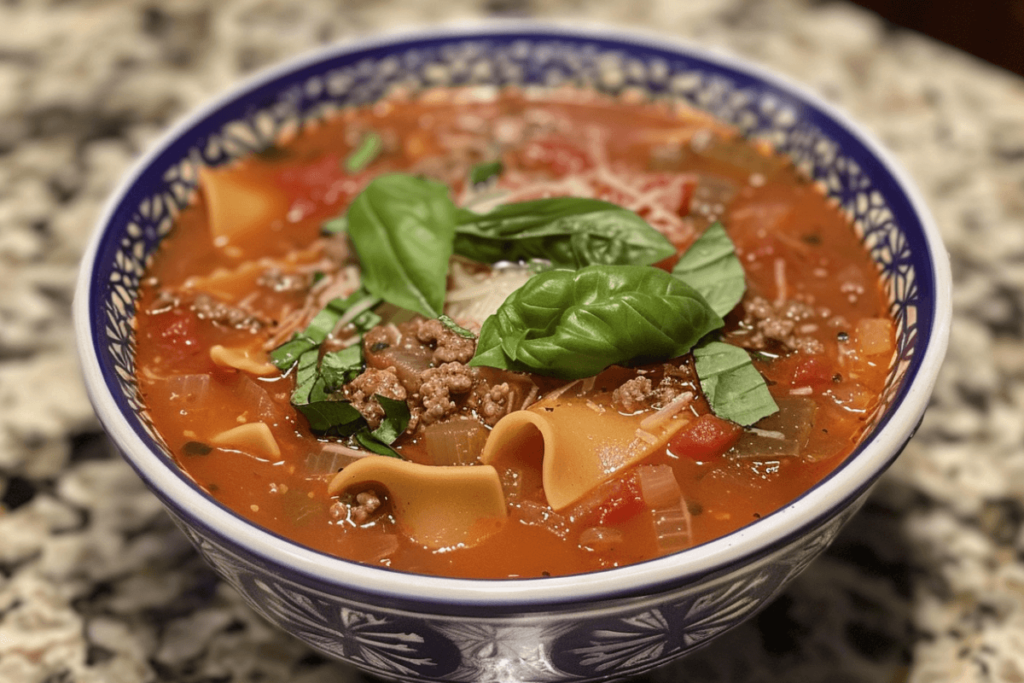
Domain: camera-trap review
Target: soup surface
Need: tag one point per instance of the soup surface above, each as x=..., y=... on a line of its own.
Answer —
x=275, y=348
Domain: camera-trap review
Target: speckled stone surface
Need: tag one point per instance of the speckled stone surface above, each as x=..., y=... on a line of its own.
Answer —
x=96, y=585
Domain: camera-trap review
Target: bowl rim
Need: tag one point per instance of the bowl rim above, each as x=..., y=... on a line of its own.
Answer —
x=825, y=499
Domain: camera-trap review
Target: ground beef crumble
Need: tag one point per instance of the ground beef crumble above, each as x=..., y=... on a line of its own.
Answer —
x=437, y=387
x=362, y=389
x=491, y=403
x=641, y=392
x=448, y=346
x=633, y=395
x=765, y=322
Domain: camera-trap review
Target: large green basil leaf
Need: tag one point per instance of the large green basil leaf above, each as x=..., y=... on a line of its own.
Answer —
x=402, y=227
x=571, y=232
x=711, y=267
x=734, y=388
x=573, y=324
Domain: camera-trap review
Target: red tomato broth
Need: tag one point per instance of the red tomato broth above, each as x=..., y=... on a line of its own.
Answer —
x=779, y=219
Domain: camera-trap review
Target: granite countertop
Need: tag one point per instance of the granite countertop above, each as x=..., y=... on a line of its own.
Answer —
x=925, y=585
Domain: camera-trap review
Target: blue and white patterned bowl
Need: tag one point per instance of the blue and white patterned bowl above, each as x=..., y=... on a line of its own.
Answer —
x=581, y=628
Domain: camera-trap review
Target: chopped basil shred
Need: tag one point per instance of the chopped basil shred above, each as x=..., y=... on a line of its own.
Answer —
x=734, y=388
x=481, y=173
x=455, y=327
x=362, y=156
x=396, y=419
x=286, y=355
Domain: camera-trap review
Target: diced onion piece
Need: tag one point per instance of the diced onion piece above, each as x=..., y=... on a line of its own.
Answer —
x=239, y=359
x=456, y=442
x=409, y=362
x=784, y=434
x=250, y=393
x=658, y=485
x=254, y=438
x=188, y=388
x=329, y=459
x=672, y=528
x=874, y=336
x=600, y=539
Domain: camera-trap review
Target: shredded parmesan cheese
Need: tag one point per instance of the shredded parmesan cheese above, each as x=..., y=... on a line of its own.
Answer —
x=768, y=434
x=646, y=436
x=674, y=406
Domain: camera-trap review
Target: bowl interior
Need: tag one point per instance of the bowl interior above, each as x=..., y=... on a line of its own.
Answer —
x=854, y=172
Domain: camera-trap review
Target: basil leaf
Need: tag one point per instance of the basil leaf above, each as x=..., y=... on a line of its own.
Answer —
x=332, y=418
x=312, y=397
x=570, y=232
x=455, y=327
x=367, y=441
x=340, y=367
x=711, y=267
x=731, y=383
x=573, y=324
x=334, y=226
x=396, y=419
x=362, y=156
x=402, y=228
x=481, y=173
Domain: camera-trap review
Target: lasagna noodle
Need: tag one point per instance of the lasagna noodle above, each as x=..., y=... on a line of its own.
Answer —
x=438, y=507
x=581, y=447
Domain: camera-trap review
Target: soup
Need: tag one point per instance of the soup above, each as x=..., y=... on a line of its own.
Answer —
x=511, y=335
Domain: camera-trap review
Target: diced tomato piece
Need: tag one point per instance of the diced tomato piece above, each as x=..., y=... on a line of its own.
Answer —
x=623, y=501
x=311, y=176
x=813, y=371
x=706, y=438
x=176, y=336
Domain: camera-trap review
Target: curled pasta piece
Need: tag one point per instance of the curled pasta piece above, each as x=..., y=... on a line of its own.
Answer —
x=438, y=507
x=581, y=447
x=254, y=438
x=240, y=359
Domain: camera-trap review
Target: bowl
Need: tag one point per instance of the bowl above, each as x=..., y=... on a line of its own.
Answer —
x=596, y=626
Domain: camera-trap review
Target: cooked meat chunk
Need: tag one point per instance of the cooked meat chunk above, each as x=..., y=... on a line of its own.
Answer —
x=635, y=394
x=362, y=391
x=765, y=322
x=491, y=403
x=436, y=389
x=207, y=307
x=448, y=346
x=360, y=510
